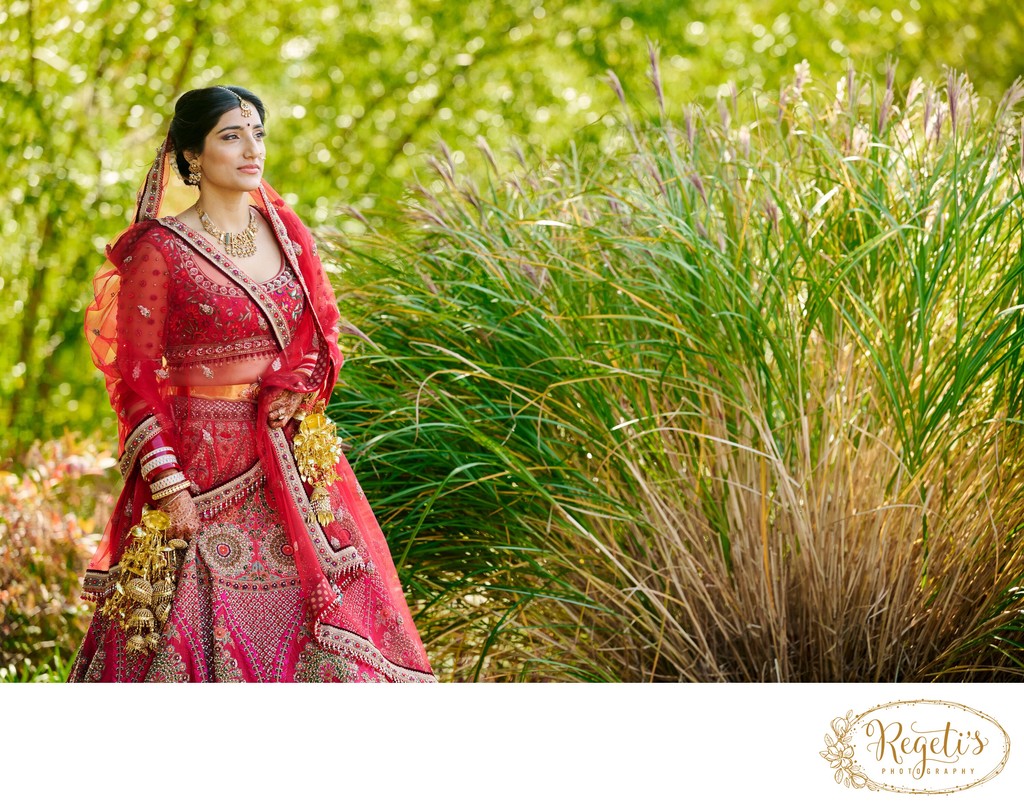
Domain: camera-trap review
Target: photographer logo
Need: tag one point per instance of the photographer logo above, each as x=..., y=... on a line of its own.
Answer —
x=920, y=746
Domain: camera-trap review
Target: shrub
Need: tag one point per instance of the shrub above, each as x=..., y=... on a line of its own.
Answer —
x=52, y=512
x=740, y=401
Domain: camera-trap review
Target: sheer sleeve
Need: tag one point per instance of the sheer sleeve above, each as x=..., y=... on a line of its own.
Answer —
x=141, y=320
x=126, y=325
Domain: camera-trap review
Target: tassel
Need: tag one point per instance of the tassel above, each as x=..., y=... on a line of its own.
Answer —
x=147, y=577
x=317, y=452
x=320, y=500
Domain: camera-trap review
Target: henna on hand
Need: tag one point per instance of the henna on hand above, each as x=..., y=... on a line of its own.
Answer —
x=181, y=508
x=283, y=407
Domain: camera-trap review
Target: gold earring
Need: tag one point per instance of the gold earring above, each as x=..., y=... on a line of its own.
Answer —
x=195, y=173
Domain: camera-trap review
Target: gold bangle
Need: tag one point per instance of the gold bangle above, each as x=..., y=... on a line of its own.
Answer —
x=177, y=487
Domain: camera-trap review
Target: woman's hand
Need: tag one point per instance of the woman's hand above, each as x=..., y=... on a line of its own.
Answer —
x=183, y=513
x=283, y=407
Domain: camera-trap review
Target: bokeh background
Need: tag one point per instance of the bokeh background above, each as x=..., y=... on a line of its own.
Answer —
x=440, y=149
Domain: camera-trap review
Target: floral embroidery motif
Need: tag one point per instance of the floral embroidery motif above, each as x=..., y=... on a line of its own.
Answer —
x=206, y=371
x=257, y=293
x=279, y=550
x=181, y=356
x=168, y=665
x=225, y=661
x=210, y=323
x=317, y=665
x=225, y=548
x=145, y=312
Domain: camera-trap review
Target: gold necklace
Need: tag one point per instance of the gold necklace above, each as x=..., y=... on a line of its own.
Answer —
x=235, y=244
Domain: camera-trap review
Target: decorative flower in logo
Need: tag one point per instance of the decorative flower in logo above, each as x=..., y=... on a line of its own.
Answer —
x=838, y=753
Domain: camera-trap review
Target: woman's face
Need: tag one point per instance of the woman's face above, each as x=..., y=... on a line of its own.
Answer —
x=231, y=148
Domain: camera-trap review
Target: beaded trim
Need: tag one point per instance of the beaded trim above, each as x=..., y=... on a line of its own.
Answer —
x=336, y=562
x=146, y=202
x=144, y=431
x=278, y=319
x=203, y=281
x=346, y=561
x=291, y=251
x=353, y=645
x=282, y=279
x=283, y=238
x=98, y=584
x=214, y=501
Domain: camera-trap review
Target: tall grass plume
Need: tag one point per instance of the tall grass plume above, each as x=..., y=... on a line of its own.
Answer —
x=738, y=399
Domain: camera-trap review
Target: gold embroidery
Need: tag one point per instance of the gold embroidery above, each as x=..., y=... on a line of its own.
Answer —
x=360, y=648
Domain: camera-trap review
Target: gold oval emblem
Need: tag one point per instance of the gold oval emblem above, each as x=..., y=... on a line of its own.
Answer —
x=916, y=746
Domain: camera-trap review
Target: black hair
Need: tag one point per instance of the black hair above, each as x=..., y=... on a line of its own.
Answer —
x=197, y=112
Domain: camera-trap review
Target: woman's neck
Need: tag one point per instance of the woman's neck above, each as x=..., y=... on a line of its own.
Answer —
x=229, y=211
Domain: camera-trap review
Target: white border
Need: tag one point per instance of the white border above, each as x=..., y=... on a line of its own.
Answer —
x=478, y=745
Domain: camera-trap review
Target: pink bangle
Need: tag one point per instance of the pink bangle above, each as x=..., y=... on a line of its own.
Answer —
x=158, y=451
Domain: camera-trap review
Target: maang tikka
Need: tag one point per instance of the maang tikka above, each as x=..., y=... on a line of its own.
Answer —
x=245, y=106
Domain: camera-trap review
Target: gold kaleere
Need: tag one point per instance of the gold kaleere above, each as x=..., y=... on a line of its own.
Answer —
x=147, y=577
x=317, y=452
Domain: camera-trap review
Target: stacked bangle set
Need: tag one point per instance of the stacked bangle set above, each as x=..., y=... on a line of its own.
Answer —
x=157, y=461
x=168, y=485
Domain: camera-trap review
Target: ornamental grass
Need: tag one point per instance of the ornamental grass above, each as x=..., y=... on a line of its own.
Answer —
x=737, y=398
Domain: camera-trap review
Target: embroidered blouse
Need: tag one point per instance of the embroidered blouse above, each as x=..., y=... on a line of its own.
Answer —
x=194, y=318
x=198, y=325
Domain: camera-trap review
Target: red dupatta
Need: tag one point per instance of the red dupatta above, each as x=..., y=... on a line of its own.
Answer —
x=327, y=559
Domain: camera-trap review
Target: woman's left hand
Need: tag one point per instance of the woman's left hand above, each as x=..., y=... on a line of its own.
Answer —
x=283, y=407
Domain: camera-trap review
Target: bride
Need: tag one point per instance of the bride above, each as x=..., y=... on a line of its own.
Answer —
x=217, y=332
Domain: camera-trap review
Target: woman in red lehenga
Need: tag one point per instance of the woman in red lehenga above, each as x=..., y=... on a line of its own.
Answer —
x=217, y=332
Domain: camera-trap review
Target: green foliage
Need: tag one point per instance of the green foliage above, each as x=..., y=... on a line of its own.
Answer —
x=736, y=324
x=358, y=93
x=738, y=401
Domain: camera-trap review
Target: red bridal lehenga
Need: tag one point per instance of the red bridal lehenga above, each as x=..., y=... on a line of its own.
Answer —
x=265, y=593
